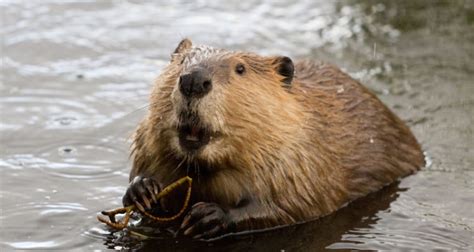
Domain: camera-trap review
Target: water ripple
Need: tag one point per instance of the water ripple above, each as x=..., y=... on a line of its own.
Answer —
x=55, y=220
x=71, y=160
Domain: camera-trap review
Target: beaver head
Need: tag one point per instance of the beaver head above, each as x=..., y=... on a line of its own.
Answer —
x=212, y=102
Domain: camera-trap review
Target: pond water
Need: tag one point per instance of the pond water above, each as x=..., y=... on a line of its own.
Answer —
x=75, y=77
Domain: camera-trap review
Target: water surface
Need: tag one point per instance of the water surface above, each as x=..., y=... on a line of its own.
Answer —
x=75, y=74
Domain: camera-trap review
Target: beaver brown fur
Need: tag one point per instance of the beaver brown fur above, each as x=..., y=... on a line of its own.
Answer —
x=268, y=142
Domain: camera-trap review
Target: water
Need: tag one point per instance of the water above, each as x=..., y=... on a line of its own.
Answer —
x=75, y=73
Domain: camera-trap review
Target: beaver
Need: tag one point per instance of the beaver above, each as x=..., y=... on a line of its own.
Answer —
x=268, y=142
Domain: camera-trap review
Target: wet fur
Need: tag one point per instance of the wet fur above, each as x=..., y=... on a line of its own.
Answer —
x=287, y=153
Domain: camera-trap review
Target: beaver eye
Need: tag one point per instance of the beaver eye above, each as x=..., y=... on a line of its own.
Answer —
x=240, y=69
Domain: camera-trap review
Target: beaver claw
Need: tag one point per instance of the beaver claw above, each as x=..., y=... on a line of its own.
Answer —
x=206, y=220
x=141, y=192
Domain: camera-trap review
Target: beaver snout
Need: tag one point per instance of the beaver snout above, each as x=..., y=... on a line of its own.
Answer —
x=195, y=84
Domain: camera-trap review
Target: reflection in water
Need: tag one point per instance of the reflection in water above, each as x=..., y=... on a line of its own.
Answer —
x=76, y=76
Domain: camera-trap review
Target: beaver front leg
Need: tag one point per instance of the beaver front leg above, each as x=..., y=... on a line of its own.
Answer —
x=141, y=192
x=207, y=220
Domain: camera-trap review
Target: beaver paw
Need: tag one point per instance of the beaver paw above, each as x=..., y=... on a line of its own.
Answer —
x=141, y=192
x=206, y=220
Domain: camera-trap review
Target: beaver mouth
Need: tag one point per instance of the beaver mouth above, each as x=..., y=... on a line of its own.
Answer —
x=193, y=137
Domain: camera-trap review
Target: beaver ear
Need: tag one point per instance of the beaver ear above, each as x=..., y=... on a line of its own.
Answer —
x=284, y=66
x=184, y=45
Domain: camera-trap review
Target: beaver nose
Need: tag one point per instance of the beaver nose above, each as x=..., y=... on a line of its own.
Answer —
x=195, y=84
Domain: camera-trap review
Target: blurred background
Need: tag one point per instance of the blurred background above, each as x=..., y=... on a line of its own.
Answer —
x=75, y=78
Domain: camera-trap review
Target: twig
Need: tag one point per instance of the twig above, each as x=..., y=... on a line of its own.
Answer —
x=132, y=208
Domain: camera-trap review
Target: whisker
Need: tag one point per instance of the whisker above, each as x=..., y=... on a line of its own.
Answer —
x=188, y=161
x=179, y=165
x=139, y=109
x=195, y=167
x=198, y=172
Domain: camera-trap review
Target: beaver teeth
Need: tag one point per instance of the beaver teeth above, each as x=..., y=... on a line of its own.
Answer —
x=192, y=138
x=194, y=134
